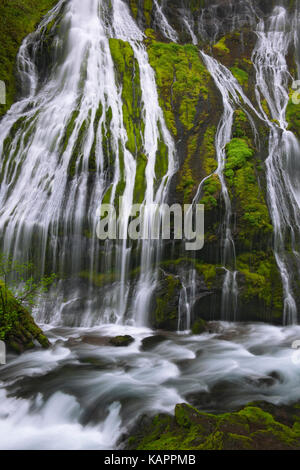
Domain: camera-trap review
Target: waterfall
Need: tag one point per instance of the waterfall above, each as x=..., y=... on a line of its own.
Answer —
x=108, y=114
x=163, y=23
x=215, y=19
x=188, y=23
x=124, y=28
x=232, y=94
x=56, y=170
x=275, y=35
x=186, y=300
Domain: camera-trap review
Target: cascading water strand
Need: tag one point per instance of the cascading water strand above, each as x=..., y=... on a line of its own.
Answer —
x=272, y=77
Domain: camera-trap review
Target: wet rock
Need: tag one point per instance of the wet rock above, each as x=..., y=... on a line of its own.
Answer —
x=120, y=341
x=165, y=309
x=152, y=341
x=96, y=340
x=200, y=326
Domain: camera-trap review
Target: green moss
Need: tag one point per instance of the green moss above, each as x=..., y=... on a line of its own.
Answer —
x=107, y=147
x=187, y=183
x=164, y=311
x=186, y=91
x=211, y=192
x=99, y=279
x=69, y=130
x=253, y=215
x=189, y=429
x=221, y=47
x=9, y=158
x=241, y=126
x=265, y=108
x=212, y=186
x=238, y=152
x=199, y=327
x=261, y=281
x=128, y=76
x=140, y=179
x=77, y=152
x=17, y=327
x=240, y=74
x=207, y=271
x=208, y=151
x=134, y=7
x=148, y=11
x=92, y=158
x=204, y=152
x=182, y=81
x=150, y=33
x=102, y=279
x=18, y=19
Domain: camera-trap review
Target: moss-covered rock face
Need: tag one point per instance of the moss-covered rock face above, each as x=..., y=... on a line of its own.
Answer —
x=241, y=173
x=165, y=309
x=260, y=286
x=208, y=283
x=17, y=327
x=187, y=93
x=258, y=426
x=259, y=281
x=18, y=19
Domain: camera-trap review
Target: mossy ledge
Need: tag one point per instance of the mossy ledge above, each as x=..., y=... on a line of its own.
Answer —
x=17, y=327
x=18, y=19
x=257, y=426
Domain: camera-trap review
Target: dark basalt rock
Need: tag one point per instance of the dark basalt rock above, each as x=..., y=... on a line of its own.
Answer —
x=151, y=341
x=120, y=341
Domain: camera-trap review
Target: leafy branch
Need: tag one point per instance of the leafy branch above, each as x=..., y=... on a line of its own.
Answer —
x=18, y=289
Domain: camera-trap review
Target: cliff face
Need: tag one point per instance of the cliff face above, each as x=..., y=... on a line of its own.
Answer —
x=193, y=107
x=17, y=327
x=187, y=44
x=19, y=18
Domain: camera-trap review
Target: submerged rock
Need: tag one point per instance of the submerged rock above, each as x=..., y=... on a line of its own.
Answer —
x=121, y=340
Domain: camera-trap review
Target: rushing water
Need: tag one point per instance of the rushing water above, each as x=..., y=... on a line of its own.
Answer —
x=272, y=78
x=85, y=394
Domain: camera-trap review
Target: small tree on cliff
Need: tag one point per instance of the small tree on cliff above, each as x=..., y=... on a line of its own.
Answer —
x=18, y=290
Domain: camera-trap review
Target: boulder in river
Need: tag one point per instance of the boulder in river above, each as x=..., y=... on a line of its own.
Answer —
x=119, y=341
